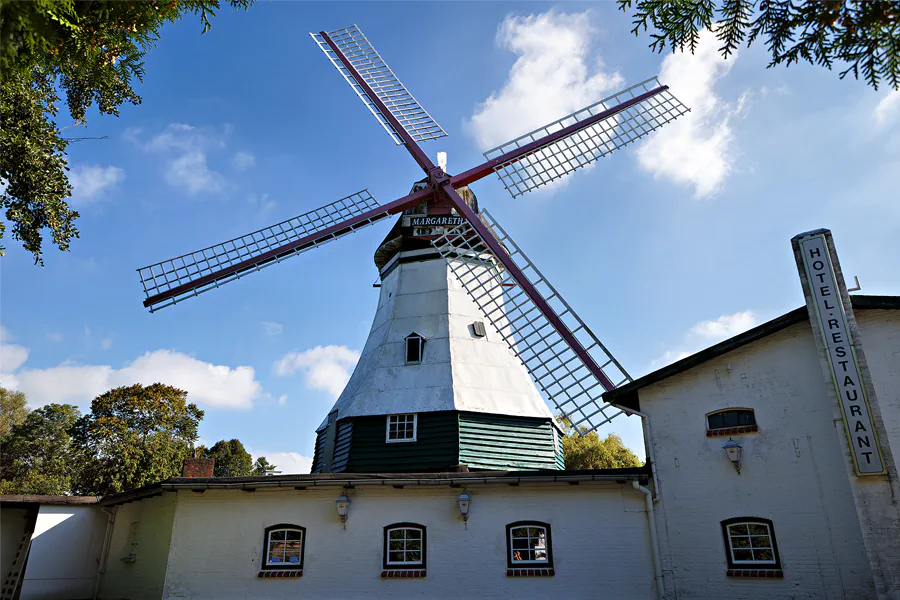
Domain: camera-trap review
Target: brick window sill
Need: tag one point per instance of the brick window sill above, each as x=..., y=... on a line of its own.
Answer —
x=756, y=573
x=541, y=572
x=731, y=430
x=403, y=573
x=280, y=573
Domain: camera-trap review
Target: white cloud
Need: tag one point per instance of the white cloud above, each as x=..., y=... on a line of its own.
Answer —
x=556, y=73
x=707, y=333
x=262, y=203
x=216, y=386
x=89, y=182
x=698, y=148
x=271, y=328
x=243, y=161
x=282, y=399
x=286, y=462
x=106, y=343
x=325, y=367
x=185, y=148
x=888, y=109
x=5, y=335
x=12, y=356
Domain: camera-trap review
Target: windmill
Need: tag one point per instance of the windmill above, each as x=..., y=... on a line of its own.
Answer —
x=564, y=358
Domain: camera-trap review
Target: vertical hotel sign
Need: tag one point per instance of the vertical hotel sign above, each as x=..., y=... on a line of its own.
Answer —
x=841, y=355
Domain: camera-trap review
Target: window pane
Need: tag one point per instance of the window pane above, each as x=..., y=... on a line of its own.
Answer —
x=413, y=534
x=415, y=556
x=763, y=555
x=761, y=541
x=294, y=535
x=743, y=555
x=520, y=532
x=740, y=542
x=540, y=555
x=395, y=556
x=519, y=544
x=396, y=545
x=396, y=534
x=278, y=535
x=275, y=557
x=747, y=417
x=414, y=544
x=758, y=529
x=292, y=546
x=731, y=418
x=292, y=557
x=738, y=529
x=715, y=421
x=412, y=350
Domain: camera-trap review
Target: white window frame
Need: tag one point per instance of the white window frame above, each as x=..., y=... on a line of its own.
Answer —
x=415, y=432
x=545, y=548
x=421, y=550
x=421, y=341
x=771, y=547
x=269, y=541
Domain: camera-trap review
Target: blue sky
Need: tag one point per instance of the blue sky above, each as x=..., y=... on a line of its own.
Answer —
x=663, y=248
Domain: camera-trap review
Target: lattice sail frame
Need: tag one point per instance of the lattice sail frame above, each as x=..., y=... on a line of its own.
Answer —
x=168, y=274
x=561, y=157
x=557, y=370
x=372, y=68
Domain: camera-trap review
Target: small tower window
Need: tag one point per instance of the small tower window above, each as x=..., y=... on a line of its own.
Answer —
x=730, y=421
x=402, y=428
x=415, y=346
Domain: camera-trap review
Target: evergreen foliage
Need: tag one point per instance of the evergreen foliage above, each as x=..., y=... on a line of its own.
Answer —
x=92, y=51
x=262, y=465
x=232, y=460
x=863, y=36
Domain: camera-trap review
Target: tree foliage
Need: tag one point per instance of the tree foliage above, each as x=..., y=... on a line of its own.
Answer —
x=261, y=466
x=864, y=37
x=91, y=50
x=134, y=436
x=587, y=451
x=232, y=460
x=39, y=455
x=13, y=410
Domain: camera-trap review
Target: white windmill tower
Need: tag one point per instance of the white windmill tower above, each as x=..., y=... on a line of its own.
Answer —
x=463, y=316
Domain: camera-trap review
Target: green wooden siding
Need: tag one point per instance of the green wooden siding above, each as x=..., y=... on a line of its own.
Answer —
x=342, y=446
x=318, y=457
x=506, y=443
x=435, y=448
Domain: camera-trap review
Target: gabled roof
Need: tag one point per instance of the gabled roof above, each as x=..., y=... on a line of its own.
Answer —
x=627, y=395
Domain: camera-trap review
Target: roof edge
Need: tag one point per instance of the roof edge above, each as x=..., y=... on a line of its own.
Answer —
x=627, y=396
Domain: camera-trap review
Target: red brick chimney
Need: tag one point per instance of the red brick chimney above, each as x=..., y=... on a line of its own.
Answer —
x=197, y=467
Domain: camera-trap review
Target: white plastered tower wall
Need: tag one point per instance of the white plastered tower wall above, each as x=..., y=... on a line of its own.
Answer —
x=459, y=370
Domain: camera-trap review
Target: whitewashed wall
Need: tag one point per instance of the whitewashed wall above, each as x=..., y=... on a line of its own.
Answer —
x=793, y=473
x=65, y=553
x=143, y=578
x=599, y=534
x=880, y=332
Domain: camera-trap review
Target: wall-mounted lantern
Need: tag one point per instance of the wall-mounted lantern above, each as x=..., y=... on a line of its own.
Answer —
x=343, y=507
x=464, y=501
x=733, y=451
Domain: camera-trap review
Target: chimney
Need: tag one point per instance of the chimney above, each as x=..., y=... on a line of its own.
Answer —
x=194, y=467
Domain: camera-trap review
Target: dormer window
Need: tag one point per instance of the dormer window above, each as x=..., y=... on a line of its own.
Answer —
x=415, y=347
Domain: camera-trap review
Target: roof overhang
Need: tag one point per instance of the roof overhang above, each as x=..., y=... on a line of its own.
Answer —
x=626, y=396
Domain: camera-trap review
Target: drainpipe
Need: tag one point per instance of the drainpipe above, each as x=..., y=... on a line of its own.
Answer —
x=654, y=542
x=104, y=553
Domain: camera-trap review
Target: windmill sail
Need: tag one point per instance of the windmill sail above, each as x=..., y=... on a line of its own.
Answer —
x=170, y=281
x=378, y=76
x=567, y=144
x=558, y=370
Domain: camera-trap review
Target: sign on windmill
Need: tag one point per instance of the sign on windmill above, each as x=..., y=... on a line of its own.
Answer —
x=565, y=359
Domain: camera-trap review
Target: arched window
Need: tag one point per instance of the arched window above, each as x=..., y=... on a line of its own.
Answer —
x=415, y=348
x=283, y=547
x=730, y=421
x=404, y=546
x=750, y=547
x=528, y=545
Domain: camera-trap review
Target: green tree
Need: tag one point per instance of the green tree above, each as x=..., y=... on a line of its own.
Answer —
x=863, y=36
x=262, y=465
x=38, y=455
x=134, y=436
x=232, y=460
x=92, y=51
x=587, y=451
x=13, y=410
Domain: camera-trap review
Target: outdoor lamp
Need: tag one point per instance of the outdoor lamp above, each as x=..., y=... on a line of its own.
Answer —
x=343, y=507
x=464, y=500
x=733, y=452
